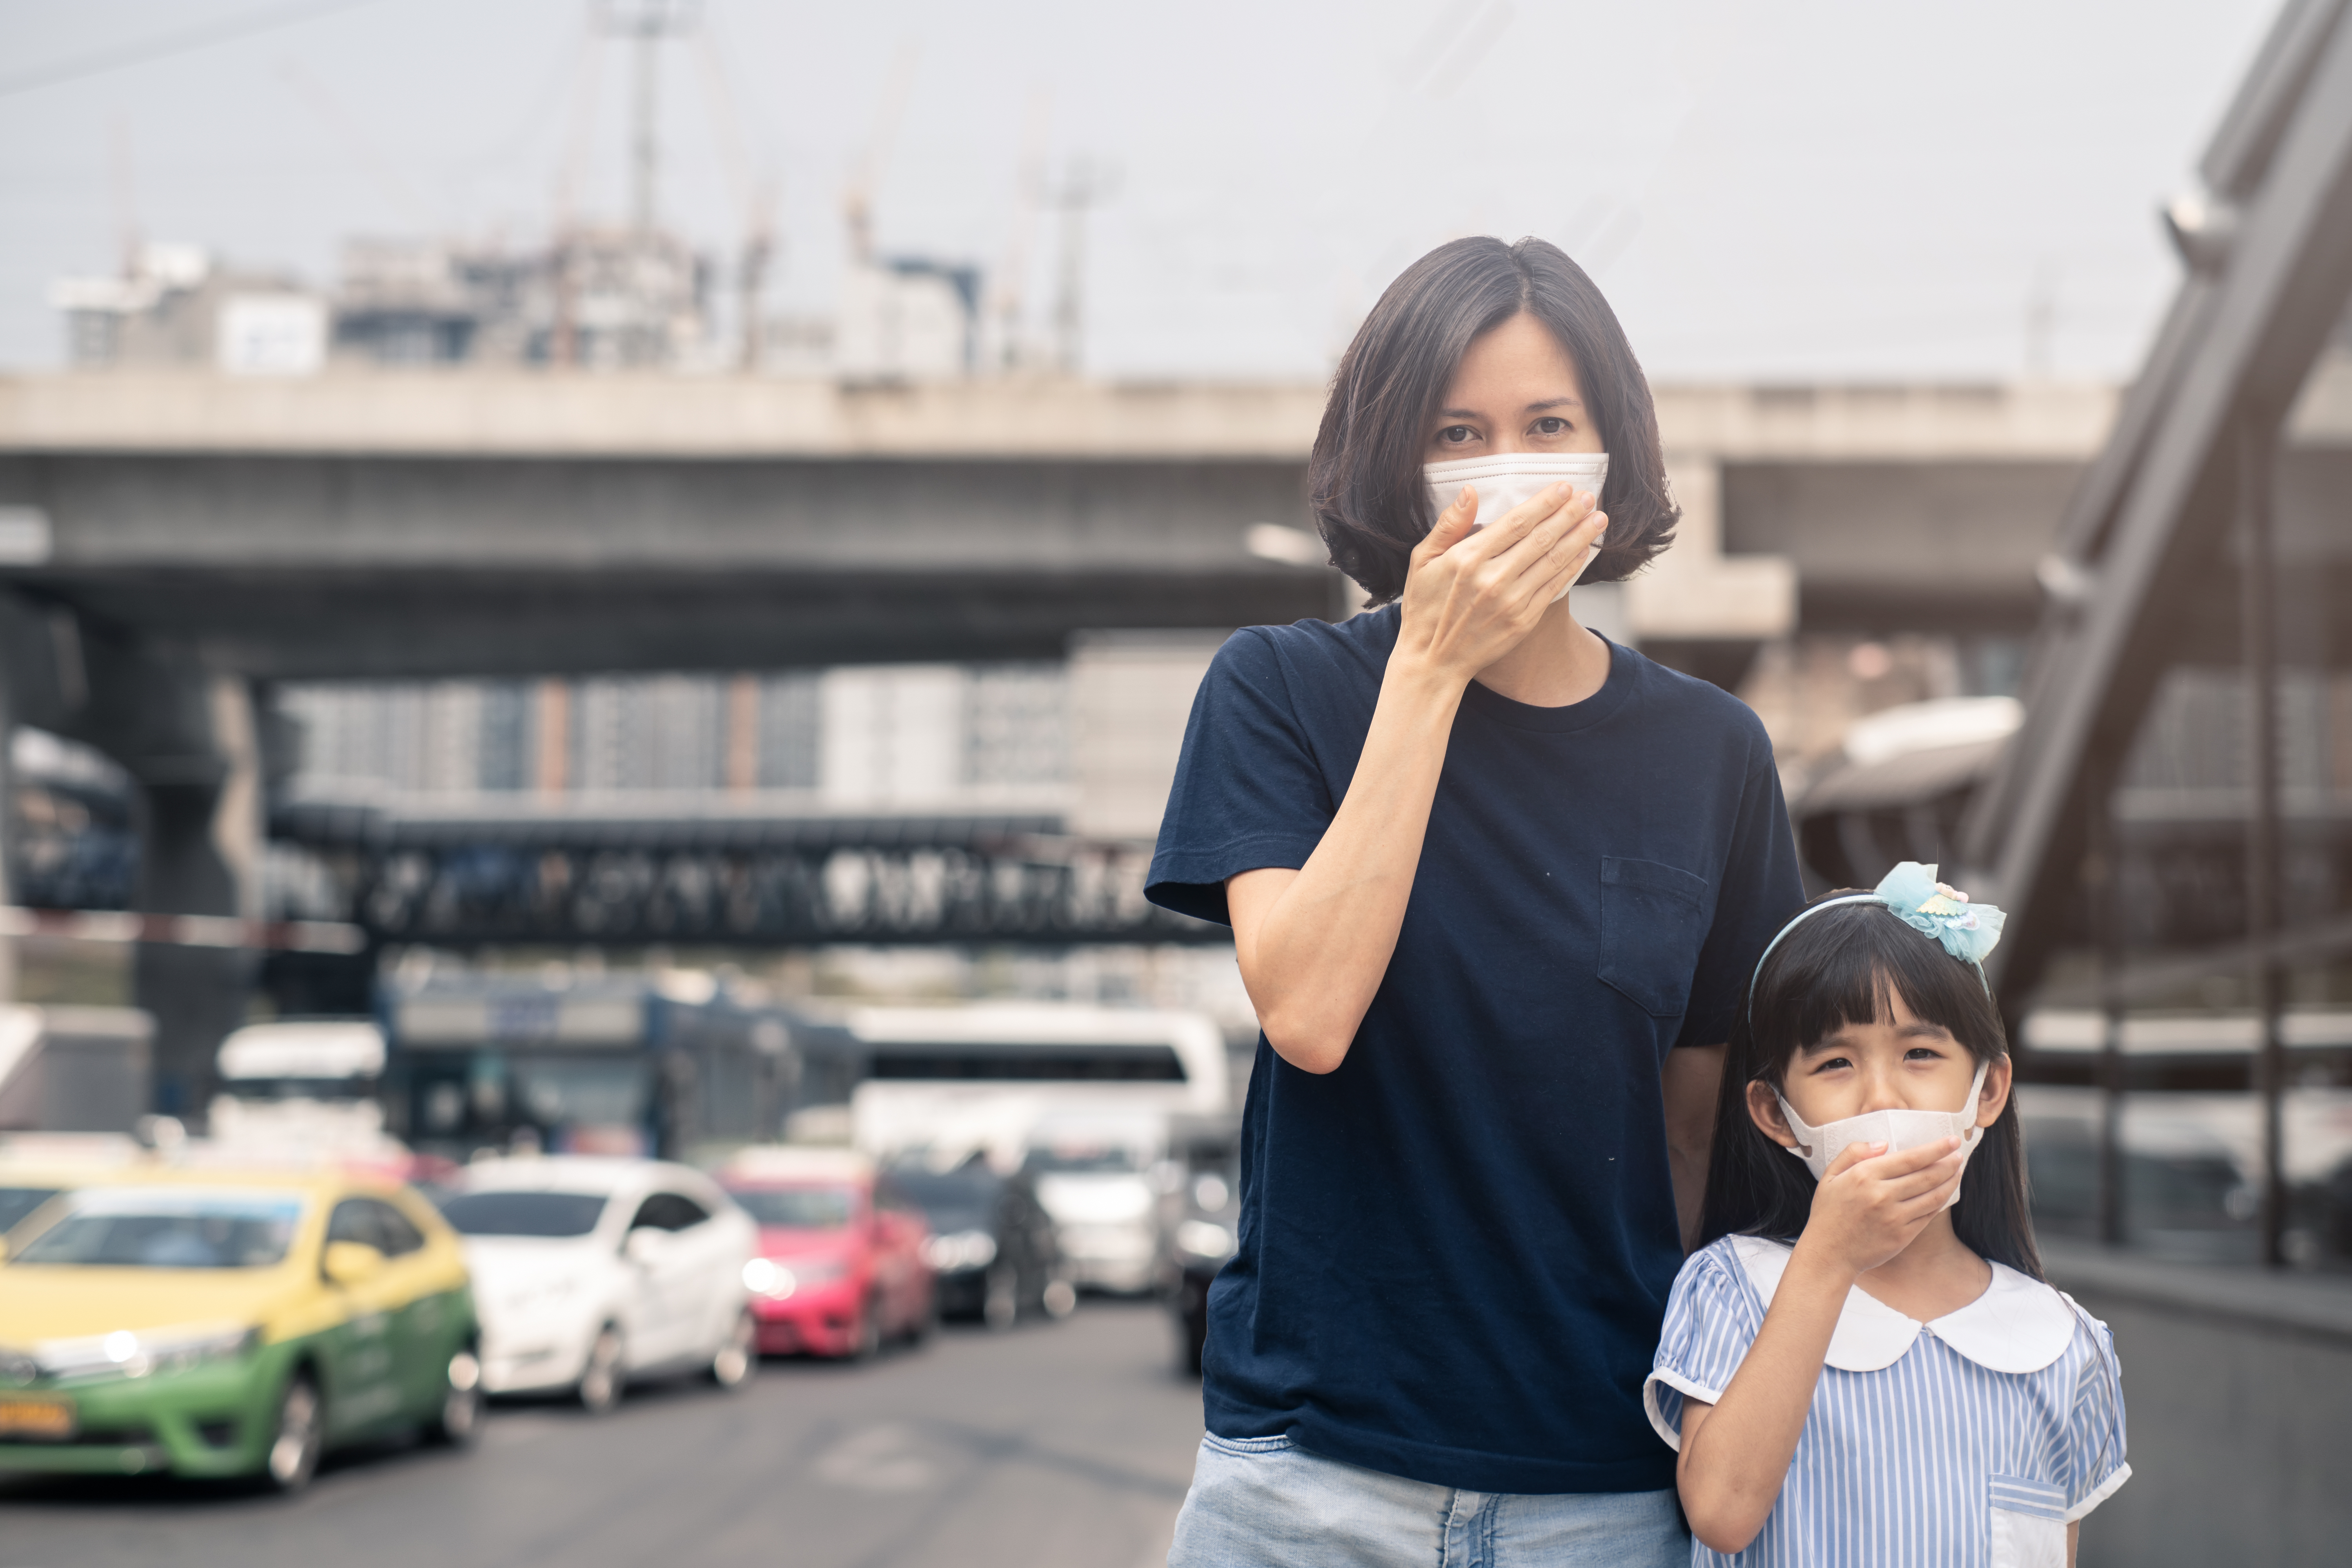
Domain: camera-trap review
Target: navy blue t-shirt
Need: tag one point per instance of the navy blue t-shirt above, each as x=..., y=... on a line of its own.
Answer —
x=1457, y=1249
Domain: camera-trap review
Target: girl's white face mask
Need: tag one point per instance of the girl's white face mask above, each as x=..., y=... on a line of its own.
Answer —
x=1898, y=1130
x=1508, y=479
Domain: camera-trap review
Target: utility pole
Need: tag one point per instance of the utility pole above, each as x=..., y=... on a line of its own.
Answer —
x=647, y=22
x=1083, y=185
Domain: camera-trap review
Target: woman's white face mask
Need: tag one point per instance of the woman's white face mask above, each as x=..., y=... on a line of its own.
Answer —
x=1508, y=479
x=1819, y=1147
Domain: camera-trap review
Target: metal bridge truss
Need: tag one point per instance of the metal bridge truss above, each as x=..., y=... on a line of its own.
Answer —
x=771, y=885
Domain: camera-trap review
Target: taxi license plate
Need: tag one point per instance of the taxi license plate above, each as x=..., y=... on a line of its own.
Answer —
x=50, y=1418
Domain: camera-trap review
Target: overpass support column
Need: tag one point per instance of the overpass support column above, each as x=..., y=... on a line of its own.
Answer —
x=200, y=854
x=190, y=741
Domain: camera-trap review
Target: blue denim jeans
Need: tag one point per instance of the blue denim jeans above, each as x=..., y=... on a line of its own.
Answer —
x=1263, y=1500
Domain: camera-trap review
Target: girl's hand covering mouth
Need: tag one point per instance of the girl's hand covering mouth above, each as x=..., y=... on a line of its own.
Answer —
x=1872, y=1205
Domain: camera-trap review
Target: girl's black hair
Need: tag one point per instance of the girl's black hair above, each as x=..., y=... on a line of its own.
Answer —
x=1844, y=967
x=1364, y=482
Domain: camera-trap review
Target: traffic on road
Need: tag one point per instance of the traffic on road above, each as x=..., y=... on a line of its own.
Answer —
x=189, y=1320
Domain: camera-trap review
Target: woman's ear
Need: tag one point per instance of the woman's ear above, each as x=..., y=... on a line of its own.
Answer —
x=1997, y=1078
x=1764, y=1110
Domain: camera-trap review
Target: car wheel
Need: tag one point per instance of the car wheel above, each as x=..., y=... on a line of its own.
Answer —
x=293, y=1456
x=606, y=1373
x=869, y=1331
x=739, y=1353
x=461, y=1420
x=1001, y=1308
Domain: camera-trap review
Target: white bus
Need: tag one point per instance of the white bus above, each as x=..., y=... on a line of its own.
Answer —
x=946, y=1081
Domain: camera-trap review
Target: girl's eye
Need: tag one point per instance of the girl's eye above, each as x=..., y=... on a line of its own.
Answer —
x=1923, y=1053
x=1551, y=425
x=1831, y=1064
x=1454, y=434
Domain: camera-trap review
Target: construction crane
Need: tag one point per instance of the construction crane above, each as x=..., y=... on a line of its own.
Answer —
x=648, y=22
x=865, y=175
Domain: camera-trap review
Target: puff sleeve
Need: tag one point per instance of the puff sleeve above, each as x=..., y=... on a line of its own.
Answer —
x=1711, y=1319
x=2094, y=1458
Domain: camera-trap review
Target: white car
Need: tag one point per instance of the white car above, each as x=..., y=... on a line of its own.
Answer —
x=1094, y=1176
x=589, y=1274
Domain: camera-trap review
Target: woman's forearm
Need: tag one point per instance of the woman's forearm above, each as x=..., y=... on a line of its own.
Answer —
x=1735, y=1456
x=1315, y=943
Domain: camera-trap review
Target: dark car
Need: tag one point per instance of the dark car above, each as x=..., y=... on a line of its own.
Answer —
x=991, y=1248
x=1200, y=1220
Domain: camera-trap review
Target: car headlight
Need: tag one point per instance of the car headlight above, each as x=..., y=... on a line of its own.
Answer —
x=766, y=1277
x=1204, y=1239
x=958, y=1250
x=123, y=1353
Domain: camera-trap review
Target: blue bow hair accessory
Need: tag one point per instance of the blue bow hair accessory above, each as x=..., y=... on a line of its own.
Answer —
x=1943, y=915
x=1966, y=931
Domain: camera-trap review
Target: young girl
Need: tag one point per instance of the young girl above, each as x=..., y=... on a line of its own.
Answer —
x=1862, y=1364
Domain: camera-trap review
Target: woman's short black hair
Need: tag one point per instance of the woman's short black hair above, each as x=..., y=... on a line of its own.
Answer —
x=1844, y=967
x=1364, y=480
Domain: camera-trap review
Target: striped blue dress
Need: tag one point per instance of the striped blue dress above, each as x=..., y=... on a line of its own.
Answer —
x=1967, y=1442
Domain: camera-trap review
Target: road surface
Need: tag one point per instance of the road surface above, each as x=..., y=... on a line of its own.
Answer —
x=1059, y=1444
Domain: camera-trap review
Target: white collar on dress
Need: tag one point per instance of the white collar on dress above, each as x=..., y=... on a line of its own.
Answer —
x=2016, y=1325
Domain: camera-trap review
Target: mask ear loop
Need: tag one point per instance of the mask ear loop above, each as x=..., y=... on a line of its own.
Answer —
x=1974, y=1109
x=1799, y=1128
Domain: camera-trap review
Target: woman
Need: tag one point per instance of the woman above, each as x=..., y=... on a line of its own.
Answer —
x=1495, y=884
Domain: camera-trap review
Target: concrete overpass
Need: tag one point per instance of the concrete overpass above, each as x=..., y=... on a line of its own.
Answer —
x=168, y=540
x=388, y=524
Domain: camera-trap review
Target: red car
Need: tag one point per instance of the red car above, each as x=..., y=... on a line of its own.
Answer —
x=841, y=1268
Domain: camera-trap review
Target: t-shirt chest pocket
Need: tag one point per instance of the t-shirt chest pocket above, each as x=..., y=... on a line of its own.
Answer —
x=1652, y=922
x=2028, y=1523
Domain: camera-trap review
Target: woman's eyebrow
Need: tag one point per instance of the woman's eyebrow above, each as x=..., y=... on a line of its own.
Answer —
x=1554, y=403
x=1459, y=413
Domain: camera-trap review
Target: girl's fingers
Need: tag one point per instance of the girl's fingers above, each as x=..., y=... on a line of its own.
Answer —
x=1934, y=1178
x=1850, y=1156
x=1917, y=1158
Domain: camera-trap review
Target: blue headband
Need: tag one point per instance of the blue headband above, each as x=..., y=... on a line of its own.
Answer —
x=1943, y=915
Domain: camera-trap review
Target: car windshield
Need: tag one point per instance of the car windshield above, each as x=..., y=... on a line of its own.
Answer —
x=1083, y=1157
x=956, y=1200
x=523, y=1214
x=797, y=1208
x=168, y=1228
x=16, y=1203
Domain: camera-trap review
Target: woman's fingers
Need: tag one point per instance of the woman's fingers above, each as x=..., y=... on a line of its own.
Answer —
x=1453, y=526
x=1561, y=563
x=1514, y=528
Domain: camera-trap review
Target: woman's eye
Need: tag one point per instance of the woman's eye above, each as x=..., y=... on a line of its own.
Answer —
x=1454, y=434
x=1550, y=425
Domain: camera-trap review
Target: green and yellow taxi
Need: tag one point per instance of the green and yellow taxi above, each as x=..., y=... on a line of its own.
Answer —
x=209, y=1323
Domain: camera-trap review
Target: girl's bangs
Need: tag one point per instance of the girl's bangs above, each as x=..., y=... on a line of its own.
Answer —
x=1846, y=966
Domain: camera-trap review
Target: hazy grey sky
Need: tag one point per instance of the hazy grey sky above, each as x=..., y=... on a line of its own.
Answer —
x=1817, y=188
